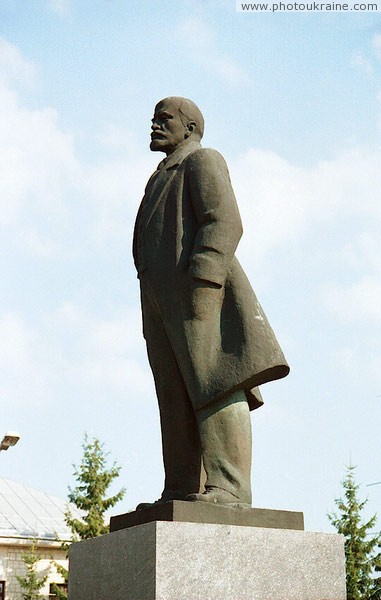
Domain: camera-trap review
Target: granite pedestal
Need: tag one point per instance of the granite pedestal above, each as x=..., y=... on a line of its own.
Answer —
x=176, y=560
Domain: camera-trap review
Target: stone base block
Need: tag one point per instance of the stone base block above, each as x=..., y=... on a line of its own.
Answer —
x=202, y=512
x=200, y=561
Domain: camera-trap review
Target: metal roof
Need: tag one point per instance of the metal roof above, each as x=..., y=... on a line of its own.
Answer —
x=28, y=513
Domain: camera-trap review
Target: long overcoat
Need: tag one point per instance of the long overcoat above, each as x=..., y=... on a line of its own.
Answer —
x=186, y=233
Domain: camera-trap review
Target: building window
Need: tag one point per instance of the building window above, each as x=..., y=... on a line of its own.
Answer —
x=2, y=590
x=52, y=596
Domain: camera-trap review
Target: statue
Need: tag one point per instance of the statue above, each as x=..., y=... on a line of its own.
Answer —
x=209, y=343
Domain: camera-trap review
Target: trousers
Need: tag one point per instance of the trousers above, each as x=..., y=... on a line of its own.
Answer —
x=206, y=448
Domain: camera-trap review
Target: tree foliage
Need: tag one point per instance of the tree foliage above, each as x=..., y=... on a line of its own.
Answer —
x=360, y=542
x=377, y=592
x=59, y=592
x=89, y=496
x=32, y=582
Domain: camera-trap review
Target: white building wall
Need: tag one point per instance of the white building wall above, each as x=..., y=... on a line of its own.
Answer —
x=12, y=565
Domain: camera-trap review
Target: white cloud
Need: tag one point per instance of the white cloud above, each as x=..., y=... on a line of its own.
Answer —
x=359, y=61
x=326, y=217
x=112, y=355
x=23, y=379
x=119, y=376
x=357, y=302
x=200, y=43
x=13, y=66
x=115, y=188
x=378, y=123
x=35, y=244
x=40, y=181
x=358, y=359
x=16, y=340
x=376, y=43
x=60, y=7
x=375, y=366
x=36, y=157
x=364, y=63
x=72, y=349
x=117, y=336
x=113, y=137
x=105, y=354
x=272, y=199
x=282, y=203
x=362, y=253
x=45, y=189
x=195, y=32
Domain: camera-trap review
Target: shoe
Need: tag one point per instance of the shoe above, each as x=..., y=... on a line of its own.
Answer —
x=214, y=495
x=144, y=505
x=165, y=497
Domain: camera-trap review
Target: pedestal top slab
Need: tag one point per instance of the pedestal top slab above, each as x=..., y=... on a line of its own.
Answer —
x=201, y=512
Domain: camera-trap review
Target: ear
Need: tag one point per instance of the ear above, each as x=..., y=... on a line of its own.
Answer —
x=189, y=129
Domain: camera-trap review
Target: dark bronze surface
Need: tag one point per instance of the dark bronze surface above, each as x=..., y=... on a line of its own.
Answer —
x=209, y=342
x=201, y=512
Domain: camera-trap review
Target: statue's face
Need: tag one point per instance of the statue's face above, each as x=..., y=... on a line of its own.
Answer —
x=168, y=131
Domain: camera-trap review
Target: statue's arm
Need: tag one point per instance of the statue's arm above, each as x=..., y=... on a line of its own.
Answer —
x=219, y=222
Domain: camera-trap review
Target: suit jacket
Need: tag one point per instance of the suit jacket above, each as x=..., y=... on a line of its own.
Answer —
x=186, y=233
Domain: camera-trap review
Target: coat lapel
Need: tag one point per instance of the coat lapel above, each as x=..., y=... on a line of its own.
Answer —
x=168, y=164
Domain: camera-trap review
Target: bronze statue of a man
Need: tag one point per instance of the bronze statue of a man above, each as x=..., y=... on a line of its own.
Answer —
x=209, y=343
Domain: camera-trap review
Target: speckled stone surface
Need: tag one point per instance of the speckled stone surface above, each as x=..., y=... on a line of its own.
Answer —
x=200, y=561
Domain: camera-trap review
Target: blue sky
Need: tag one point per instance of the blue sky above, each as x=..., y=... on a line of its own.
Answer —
x=293, y=101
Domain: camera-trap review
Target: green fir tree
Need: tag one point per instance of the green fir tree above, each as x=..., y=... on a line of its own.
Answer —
x=360, y=542
x=32, y=582
x=89, y=496
x=377, y=582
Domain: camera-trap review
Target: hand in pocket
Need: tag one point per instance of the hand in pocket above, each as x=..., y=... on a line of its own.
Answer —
x=205, y=299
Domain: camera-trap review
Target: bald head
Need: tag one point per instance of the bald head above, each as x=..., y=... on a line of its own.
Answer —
x=189, y=111
x=176, y=120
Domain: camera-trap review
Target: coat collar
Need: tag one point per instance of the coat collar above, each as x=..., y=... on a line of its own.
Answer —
x=178, y=155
